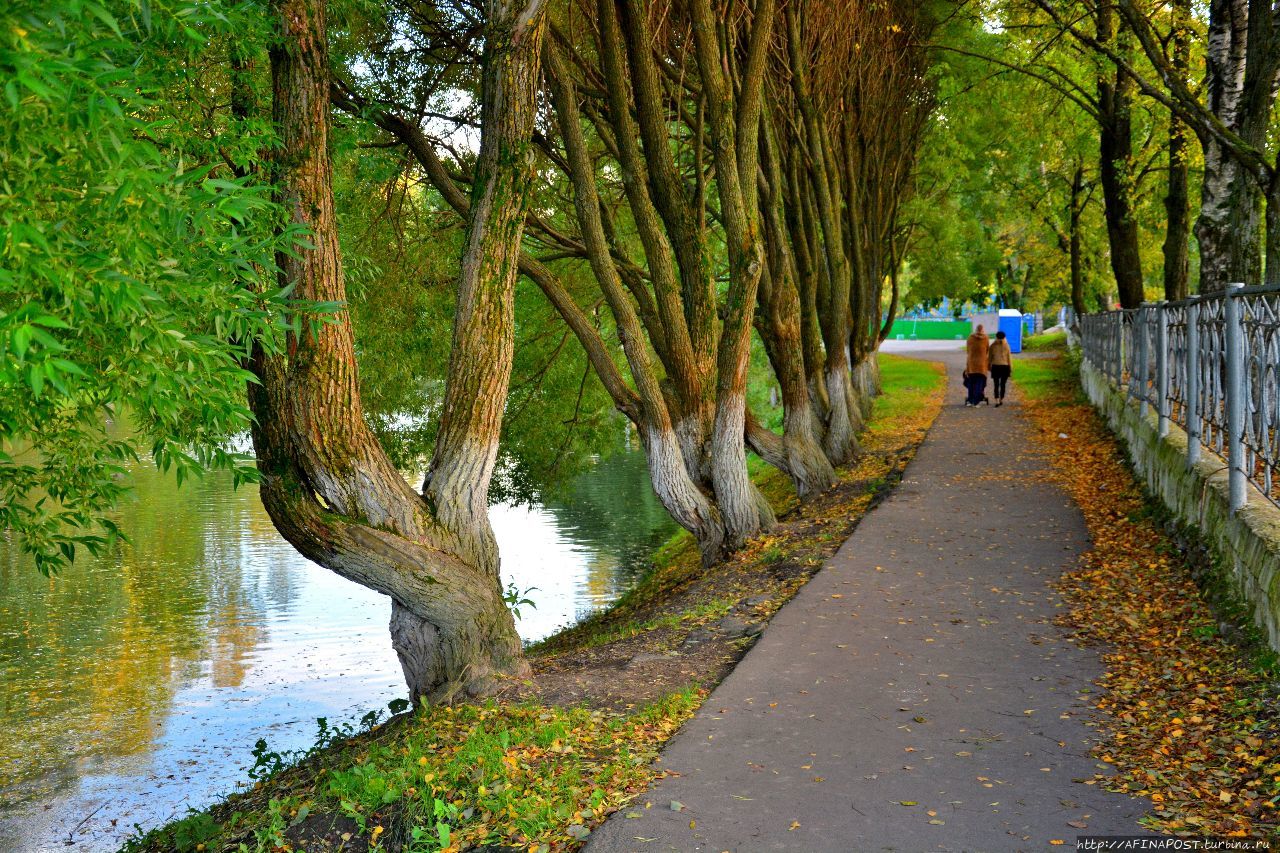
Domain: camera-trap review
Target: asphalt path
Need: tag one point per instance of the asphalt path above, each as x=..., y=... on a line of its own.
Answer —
x=915, y=695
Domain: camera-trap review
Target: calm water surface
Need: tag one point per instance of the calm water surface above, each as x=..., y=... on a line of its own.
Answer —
x=134, y=686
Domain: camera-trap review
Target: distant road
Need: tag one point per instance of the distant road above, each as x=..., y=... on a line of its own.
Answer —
x=892, y=345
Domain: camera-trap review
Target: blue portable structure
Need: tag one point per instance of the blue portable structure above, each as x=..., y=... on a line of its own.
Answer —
x=1011, y=324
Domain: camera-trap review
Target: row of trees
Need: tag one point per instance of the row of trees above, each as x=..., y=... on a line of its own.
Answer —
x=718, y=170
x=1085, y=144
x=1150, y=47
x=477, y=211
x=678, y=180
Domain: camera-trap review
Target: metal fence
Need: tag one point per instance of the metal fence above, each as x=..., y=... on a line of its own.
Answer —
x=1210, y=364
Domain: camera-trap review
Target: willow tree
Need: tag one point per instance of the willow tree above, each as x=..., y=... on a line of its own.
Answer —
x=674, y=95
x=326, y=483
x=685, y=345
x=852, y=95
x=124, y=244
x=668, y=328
x=892, y=91
x=665, y=170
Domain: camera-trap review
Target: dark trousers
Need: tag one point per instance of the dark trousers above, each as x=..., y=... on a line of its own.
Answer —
x=1000, y=377
x=977, y=385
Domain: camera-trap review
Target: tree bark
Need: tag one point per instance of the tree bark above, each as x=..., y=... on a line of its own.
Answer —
x=1115, y=97
x=667, y=471
x=799, y=452
x=1077, y=271
x=1177, y=234
x=326, y=483
x=887, y=327
x=804, y=233
x=1272, y=269
x=1177, y=251
x=1242, y=69
x=745, y=512
x=684, y=224
x=840, y=442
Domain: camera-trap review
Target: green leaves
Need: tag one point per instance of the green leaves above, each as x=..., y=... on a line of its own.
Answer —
x=136, y=267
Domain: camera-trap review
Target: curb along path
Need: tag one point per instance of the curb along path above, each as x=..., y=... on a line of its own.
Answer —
x=915, y=695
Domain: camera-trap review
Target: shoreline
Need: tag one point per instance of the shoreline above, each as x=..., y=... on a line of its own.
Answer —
x=680, y=630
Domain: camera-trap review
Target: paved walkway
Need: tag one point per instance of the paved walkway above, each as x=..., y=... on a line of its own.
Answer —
x=915, y=695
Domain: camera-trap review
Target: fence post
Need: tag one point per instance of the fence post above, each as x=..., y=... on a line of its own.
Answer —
x=1117, y=338
x=1162, y=369
x=1234, y=333
x=1193, y=384
x=1138, y=376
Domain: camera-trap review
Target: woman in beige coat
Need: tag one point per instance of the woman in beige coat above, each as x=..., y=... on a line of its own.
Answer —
x=975, y=367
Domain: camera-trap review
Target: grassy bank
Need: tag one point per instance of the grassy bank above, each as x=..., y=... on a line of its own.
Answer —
x=540, y=765
x=1045, y=342
x=1188, y=708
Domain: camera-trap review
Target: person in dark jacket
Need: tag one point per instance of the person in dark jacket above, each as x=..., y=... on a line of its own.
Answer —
x=1000, y=359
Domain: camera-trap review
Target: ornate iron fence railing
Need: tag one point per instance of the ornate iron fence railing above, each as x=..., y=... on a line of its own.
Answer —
x=1211, y=365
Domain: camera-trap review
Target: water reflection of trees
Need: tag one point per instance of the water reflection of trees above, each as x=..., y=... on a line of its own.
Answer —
x=90, y=660
x=612, y=510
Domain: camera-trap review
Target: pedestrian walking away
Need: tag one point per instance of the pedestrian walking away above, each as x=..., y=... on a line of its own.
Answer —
x=1000, y=359
x=975, y=368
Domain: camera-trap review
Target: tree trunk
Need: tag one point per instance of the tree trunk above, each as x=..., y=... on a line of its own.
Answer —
x=685, y=226
x=680, y=496
x=1177, y=215
x=779, y=322
x=1177, y=251
x=1272, y=269
x=1077, y=271
x=1024, y=292
x=866, y=382
x=1230, y=223
x=798, y=452
x=326, y=483
x=840, y=442
x=1115, y=96
x=803, y=230
x=843, y=421
x=1241, y=90
x=667, y=469
x=745, y=513
x=887, y=327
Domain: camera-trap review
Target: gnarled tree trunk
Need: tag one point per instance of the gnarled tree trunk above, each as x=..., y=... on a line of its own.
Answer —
x=798, y=452
x=326, y=483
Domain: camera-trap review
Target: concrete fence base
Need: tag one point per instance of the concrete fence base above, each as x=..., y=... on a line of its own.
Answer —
x=1247, y=542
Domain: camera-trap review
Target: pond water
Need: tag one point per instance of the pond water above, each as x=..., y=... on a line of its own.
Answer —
x=134, y=686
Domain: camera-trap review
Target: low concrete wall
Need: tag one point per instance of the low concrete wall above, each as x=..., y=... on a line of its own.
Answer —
x=1247, y=542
